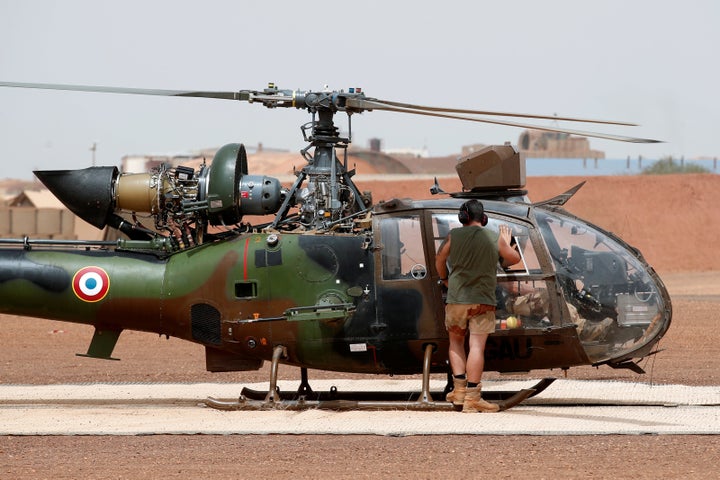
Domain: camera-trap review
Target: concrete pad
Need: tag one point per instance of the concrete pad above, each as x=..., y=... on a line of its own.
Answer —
x=145, y=409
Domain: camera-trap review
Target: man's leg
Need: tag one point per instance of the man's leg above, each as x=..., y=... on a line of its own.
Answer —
x=456, y=355
x=476, y=357
x=473, y=401
x=456, y=324
x=456, y=352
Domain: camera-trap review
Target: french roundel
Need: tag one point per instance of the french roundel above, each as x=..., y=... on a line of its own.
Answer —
x=91, y=284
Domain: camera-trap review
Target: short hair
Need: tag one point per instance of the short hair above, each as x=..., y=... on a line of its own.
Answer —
x=474, y=210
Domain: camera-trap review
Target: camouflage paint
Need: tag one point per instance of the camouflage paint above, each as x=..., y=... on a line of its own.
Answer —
x=322, y=296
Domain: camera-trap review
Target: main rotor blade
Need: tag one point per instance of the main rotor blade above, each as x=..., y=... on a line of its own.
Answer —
x=133, y=91
x=352, y=103
x=607, y=136
x=379, y=106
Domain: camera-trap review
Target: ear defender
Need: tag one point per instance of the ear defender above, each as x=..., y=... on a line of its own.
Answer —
x=463, y=214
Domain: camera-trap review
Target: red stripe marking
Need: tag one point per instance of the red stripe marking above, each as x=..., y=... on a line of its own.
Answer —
x=247, y=244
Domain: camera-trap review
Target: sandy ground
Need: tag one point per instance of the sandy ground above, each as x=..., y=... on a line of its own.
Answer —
x=674, y=221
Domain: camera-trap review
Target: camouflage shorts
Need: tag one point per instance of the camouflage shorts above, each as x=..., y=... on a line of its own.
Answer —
x=477, y=318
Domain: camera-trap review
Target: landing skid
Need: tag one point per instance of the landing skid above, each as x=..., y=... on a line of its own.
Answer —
x=305, y=398
x=334, y=394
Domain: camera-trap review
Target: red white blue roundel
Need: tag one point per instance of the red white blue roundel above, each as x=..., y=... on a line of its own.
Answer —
x=91, y=284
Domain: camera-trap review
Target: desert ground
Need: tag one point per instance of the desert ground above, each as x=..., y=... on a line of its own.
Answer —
x=674, y=220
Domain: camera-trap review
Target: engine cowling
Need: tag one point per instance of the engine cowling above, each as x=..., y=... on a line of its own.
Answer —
x=219, y=194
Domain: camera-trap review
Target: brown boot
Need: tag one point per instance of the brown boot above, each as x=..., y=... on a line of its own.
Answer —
x=457, y=395
x=474, y=402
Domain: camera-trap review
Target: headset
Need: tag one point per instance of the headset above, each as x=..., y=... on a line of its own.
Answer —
x=472, y=210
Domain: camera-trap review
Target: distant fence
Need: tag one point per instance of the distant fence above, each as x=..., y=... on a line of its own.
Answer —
x=53, y=223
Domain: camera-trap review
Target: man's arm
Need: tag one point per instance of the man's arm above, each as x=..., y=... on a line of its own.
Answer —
x=509, y=255
x=441, y=259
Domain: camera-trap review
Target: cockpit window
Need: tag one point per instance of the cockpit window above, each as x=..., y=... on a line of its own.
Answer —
x=610, y=295
x=402, y=249
x=528, y=264
x=592, y=264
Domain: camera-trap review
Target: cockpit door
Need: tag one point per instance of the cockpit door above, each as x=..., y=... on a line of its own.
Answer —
x=405, y=290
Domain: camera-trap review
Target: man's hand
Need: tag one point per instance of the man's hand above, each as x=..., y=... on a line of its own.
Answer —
x=506, y=233
x=509, y=254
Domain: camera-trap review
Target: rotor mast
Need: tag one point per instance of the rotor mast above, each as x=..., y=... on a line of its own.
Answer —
x=328, y=195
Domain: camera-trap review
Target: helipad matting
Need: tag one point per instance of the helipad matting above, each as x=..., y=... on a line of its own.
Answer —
x=568, y=407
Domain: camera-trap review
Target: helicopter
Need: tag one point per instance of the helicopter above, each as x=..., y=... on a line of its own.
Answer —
x=326, y=279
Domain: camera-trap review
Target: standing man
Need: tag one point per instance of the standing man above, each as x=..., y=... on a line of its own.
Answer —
x=472, y=253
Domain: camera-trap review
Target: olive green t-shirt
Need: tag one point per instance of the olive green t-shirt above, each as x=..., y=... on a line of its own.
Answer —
x=473, y=265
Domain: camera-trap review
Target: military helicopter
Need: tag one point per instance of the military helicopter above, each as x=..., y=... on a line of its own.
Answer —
x=327, y=279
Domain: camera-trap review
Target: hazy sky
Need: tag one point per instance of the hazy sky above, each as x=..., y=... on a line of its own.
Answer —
x=655, y=63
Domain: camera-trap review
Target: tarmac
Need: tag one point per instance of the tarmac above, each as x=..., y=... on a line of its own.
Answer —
x=567, y=407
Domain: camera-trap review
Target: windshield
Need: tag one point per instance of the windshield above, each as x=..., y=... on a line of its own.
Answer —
x=615, y=303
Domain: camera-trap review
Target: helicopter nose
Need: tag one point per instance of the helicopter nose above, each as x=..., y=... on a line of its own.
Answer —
x=86, y=192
